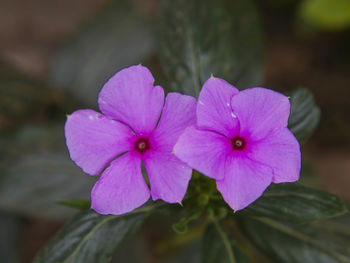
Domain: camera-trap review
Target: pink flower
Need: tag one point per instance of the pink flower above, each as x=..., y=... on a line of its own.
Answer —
x=241, y=139
x=135, y=126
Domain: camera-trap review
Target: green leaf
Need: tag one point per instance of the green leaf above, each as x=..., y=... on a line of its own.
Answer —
x=316, y=243
x=203, y=37
x=305, y=115
x=118, y=37
x=91, y=238
x=215, y=248
x=188, y=253
x=296, y=203
x=37, y=172
x=78, y=204
x=326, y=14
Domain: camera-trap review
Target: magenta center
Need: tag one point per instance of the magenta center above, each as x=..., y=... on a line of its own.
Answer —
x=142, y=145
x=238, y=143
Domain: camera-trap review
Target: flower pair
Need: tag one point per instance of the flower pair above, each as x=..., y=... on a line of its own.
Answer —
x=238, y=138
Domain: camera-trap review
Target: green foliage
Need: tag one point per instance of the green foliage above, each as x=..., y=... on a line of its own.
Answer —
x=217, y=247
x=91, y=238
x=37, y=171
x=295, y=203
x=195, y=39
x=199, y=38
x=116, y=38
x=316, y=243
x=305, y=115
x=189, y=253
x=326, y=14
x=78, y=204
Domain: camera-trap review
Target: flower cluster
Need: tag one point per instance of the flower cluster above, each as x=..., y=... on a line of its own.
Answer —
x=240, y=139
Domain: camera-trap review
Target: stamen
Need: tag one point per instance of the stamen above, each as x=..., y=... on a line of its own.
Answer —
x=238, y=143
x=142, y=145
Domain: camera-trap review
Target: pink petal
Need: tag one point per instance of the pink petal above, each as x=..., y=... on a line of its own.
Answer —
x=179, y=112
x=214, y=110
x=204, y=151
x=168, y=176
x=121, y=187
x=260, y=110
x=94, y=140
x=244, y=182
x=130, y=97
x=279, y=150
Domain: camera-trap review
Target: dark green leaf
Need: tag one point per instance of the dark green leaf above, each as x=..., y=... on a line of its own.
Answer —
x=203, y=37
x=316, y=243
x=134, y=250
x=37, y=172
x=296, y=203
x=79, y=204
x=305, y=115
x=189, y=253
x=91, y=238
x=118, y=37
x=214, y=249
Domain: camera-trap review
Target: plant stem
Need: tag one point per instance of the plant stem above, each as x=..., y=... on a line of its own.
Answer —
x=225, y=240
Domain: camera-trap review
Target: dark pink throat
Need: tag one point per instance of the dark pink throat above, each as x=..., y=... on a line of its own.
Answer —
x=238, y=143
x=142, y=145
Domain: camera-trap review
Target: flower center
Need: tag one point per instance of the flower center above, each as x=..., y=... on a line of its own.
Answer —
x=142, y=145
x=238, y=143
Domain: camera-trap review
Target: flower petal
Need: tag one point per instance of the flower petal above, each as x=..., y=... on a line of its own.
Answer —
x=168, y=176
x=214, y=110
x=94, y=140
x=279, y=150
x=179, y=112
x=244, y=182
x=260, y=110
x=204, y=151
x=130, y=97
x=121, y=187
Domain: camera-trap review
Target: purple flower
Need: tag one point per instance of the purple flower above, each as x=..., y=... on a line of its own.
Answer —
x=241, y=139
x=135, y=126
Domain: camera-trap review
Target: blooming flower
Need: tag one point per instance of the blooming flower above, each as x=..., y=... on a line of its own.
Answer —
x=135, y=125
x=241, y=139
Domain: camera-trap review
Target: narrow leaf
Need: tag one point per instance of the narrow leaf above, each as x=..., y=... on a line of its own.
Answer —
x=305, y=115
x=314, y=243
x=295, y=203
x=91, y=238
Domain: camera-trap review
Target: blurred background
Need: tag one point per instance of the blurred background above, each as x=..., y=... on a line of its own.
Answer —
x=56, y=54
